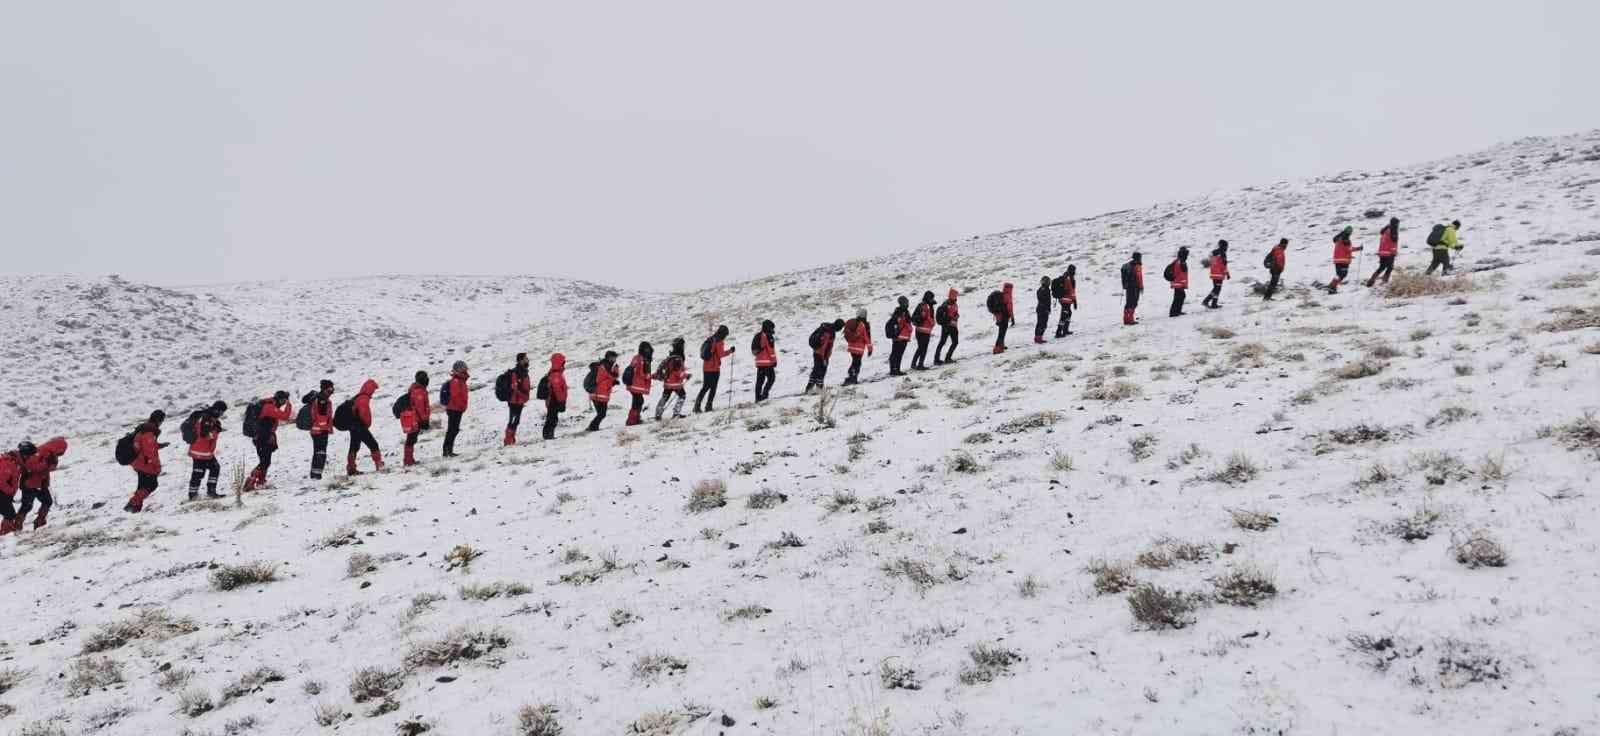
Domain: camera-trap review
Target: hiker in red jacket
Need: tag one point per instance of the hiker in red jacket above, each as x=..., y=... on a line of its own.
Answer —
x=857, y=341
x=1388, y=248
x=1275, y=262
x=948, y=316
x=604, y=375
x=1342, y=254
x=637, y=378
x=521, y=390
x=321, y=426
x=1132, y=287
x=1065, y=290
x=414, y=417
x=899, y=330
x=203, y=451
x=764, y=346
x=1005, y=315
x=821, y=342
x=923, y=320
x=361, y=430
x=1218, y=263
x=555, y=399
x=712, y=351
x=454, y=399
x=35, y=481
x=1178, y=274
x=10, y=481
x=273, y=409
x=674, y=373
x=146, y=460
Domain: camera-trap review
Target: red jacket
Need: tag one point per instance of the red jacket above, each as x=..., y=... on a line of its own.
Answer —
x=204, y=446
x=952, y=312
x=1219, y=268
x=824, y=349
x=521, y=388
x=1180, y=274
x=1280, y=257
x=1071, y=295
x=1342, y=251
x=271, y=414
x=907, y=328
x=557, y=380
x=321, y=415
x=1387, y=244
x=458, y=392
x=10, y=473
x=421, y=406
x=641, y=376
x=923, y=318
x=857, y=336
x=605, y=377
x=1011, y=309
x=363, y=402
x=673, y=373
x=36, y=469
x=766, y=354
x=713, y=364
x=147, y=455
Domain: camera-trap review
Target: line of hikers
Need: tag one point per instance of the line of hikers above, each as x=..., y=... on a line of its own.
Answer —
x=28, y=468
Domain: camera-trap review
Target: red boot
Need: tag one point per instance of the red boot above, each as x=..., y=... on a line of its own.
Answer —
x=38, y=519
x=7, y=526
x=409, y=459
x=377, y=460
x=350, y=464
x=136, y=503
x=1038, y=340
x=511, y=437
x=633, y=418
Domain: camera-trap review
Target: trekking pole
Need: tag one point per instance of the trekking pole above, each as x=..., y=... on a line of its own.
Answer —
x=730, y=386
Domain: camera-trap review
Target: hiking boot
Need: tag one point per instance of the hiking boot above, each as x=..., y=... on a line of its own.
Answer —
x=212, y=493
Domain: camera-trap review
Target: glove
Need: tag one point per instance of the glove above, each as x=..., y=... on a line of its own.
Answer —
x=162, y=445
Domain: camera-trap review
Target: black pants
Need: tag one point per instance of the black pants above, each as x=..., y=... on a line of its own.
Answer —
x=29, y=495
x=264, y=452
x=203, y=468
x=1064, y=322
x=1131, y=301
x=411, y=439
x=319, y=455
x=451, y=429
x=897, y=353
x=514, y=416
x=8, y=510
x=1272, y=285
x=1000, y=339
x=708, y=391
x=765, y=376
x=1041, y=320
x=360, y=436
x=1385, y=267
x=1441, y=257
x=952, y=334
x=1340, y=271
x=147, y=482
x=599, y=414
x=853, y=374
x=552, y=414
x=819, y=371
x=635, y=406
x=919, y=359
x=1177, y=302
x=1216, y=291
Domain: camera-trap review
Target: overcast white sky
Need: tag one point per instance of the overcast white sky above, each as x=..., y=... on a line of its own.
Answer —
x=683, y=144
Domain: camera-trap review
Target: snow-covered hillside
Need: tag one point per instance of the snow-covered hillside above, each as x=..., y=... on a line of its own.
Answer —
x=1281, y=491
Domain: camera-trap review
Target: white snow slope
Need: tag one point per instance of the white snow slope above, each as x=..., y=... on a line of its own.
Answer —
x=953, y=534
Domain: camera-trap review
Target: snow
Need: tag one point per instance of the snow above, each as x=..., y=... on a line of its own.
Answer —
x=1475, y=650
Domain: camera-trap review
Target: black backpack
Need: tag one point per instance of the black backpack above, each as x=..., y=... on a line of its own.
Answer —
x=1436, y=235
x=627, y=375
x=942, y=315
x=344, y=417
x=502, y=386
x=444, y=392
x=816, y=338
x=705, y=349
x=996, y=303
x=543, y=391
x=302, y=418
x=191, y=427
x=402, y=404
x=1058, y=287
x=125, y=450
x=1267, y=261
x=1171, y=271
x=755, y=343
x=891, y=329
x=592, y=381
x=252, y=419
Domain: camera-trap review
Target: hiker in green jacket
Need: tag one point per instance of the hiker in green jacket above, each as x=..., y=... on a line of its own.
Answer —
x=1441, y=250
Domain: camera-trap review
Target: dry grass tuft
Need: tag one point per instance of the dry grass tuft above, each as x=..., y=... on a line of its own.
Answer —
x=1238, y=468
x=915, y=571
x=373, y=683
x=229, y=577
x=1251, y=520
x=650, y=666
x=1036, y=420
x=1217, y=333
x=89, y=673
x=989, y=661
x=1111, y=576
x=153, y=624
x=1407, y=284
x=1477, y=549
x=1573, y=318
x=459, y=644
x=1363, y=368
x=538, y=720
x=1244, y=586
x=708, y=494
x=1158, y=608
x=1582, y=433
x=1113, y=391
